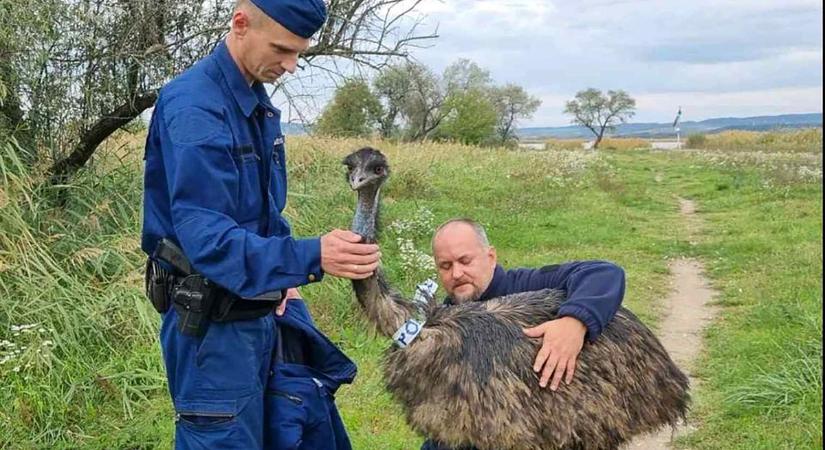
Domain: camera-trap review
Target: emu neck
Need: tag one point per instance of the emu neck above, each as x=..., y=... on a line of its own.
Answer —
x=366, y=214
x=382, y=305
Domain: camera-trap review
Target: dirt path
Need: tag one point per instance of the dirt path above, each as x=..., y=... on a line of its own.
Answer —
x=688, y=311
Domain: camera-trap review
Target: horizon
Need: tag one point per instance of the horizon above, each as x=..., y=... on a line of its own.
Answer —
x=643, y=122
x=635, y=122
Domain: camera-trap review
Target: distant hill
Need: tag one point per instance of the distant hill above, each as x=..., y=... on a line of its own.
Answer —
x=292, y=128
x=652, y=130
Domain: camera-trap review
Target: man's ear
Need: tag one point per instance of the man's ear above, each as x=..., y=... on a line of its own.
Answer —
x=491, y=253
x=240, y=23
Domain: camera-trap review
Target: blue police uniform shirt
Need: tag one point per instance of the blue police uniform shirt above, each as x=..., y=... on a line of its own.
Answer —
x=215, y=181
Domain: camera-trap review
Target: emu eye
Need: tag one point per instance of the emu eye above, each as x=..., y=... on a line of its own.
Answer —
x=378, y=170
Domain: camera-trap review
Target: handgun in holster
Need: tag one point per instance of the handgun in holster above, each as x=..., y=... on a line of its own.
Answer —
x=191, y=294
x=193, y=299
x=197, y=300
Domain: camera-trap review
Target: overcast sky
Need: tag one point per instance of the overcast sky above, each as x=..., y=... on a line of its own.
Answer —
x=714, y=58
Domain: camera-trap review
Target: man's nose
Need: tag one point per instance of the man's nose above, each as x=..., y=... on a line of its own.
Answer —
x=457, y=272
x=290, y=64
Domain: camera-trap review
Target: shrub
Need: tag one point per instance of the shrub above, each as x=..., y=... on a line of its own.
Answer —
x=697, y=141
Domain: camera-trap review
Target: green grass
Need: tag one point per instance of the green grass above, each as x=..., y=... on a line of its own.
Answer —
x=76, y=272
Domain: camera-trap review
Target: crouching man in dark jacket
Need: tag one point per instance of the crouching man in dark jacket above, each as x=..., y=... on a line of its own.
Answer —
x=468, y=271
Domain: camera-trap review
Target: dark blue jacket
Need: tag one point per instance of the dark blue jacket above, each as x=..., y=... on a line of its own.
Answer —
x=306, y=372
x=594, y=290
x=215, y=182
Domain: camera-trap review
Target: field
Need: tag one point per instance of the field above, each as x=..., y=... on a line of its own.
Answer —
x=80, y=363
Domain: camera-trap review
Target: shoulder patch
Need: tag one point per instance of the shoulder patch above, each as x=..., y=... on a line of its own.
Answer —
x=193, y=125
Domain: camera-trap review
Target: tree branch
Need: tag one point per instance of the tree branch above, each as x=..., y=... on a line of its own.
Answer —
x=105, y=126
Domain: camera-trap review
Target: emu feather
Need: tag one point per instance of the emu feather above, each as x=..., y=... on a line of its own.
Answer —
x=467, y=380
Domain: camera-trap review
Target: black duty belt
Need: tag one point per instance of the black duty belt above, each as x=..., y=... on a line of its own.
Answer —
x=197, y=300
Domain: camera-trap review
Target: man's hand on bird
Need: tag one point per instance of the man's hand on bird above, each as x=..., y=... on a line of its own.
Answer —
x=343, y=255
x=562, y=341
x=290, y=293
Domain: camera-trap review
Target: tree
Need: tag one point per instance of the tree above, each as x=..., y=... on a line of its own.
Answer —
x=512, y=103
x=472, y=118
x=86, y=68
x=464, y=75
x=419, y=105
x=598, y=113
x=11, y=112
x=423, y=108
x=353, y=112
x=392, y=87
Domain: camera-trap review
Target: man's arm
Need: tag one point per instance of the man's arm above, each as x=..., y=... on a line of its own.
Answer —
x=595, y=290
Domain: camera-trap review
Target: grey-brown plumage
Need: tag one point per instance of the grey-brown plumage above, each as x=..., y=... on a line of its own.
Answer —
x=467, y=380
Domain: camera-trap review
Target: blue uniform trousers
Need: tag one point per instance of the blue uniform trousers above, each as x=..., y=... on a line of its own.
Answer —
x=232, y=389
x=217, y=382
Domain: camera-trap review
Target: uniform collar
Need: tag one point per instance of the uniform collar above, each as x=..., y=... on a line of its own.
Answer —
x=492, y=291
x=248, y=97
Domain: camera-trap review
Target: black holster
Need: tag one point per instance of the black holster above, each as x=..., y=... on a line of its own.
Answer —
x=193, y=299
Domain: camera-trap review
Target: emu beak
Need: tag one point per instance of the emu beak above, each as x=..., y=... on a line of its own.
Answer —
x=357, y=179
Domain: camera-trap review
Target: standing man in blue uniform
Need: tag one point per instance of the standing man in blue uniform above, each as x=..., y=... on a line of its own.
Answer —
x=468, y=269
x=215, y=187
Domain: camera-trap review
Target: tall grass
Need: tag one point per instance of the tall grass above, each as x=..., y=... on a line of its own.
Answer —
x=76, y=330
x=608, y=143
x=624, y=143
x=564, y=144
x=808, y=140
x=80, y=365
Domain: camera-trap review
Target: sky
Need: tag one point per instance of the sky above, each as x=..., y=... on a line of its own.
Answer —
x=712, y=58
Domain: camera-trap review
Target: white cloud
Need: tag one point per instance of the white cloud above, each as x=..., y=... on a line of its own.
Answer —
x=715, y=58
x=729, y=56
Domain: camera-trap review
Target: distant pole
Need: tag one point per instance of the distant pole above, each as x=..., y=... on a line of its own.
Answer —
x=676, y=128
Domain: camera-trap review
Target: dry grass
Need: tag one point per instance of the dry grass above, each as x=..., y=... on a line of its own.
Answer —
x=807, y=140
x=624, y=143
x=564, y=144
x=607, y=143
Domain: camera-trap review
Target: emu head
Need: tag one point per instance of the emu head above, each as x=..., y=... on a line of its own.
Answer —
x=366, y=167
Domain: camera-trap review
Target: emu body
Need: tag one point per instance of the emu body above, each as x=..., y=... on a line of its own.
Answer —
x=467, y=380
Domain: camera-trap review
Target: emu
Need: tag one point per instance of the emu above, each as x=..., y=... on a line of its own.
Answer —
x=467, y=379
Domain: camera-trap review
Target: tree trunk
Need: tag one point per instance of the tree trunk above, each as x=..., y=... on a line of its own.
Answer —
x=598, y=139
x=62, y=170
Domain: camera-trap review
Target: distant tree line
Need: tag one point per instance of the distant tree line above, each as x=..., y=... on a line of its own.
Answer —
x=408, y=101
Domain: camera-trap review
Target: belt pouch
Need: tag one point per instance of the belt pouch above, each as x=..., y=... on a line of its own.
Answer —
x=157, y=284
